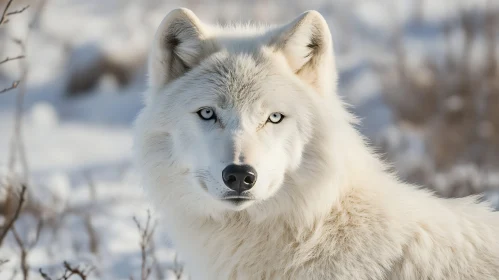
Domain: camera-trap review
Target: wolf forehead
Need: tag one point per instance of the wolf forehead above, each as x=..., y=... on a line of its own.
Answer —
x=230, y=80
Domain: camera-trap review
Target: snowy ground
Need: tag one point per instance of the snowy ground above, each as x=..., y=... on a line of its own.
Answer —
x=82, y=144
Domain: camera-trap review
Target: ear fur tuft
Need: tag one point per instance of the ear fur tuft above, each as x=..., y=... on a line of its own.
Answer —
x=307, y=46
x=181, y=42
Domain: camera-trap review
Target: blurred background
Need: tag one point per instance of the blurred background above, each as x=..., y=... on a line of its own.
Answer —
x=422, y=75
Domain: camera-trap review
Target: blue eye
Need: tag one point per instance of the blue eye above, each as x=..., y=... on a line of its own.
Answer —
x=207, y=114
x=275, y=118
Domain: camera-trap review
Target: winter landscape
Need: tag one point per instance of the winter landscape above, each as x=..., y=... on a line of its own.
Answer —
x=423, y=76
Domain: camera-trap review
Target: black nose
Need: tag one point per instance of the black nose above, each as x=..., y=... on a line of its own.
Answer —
x=239, y=177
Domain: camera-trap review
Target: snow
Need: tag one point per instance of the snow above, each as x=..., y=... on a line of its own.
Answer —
x=79, y=149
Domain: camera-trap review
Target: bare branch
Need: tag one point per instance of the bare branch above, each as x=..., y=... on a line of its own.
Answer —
x=146, y=235
x=17, y=141
x=7, y=59
x=69, y=272
x=10, y=224
x=18, y=11
x=4, y=14
x=38, y=232
x=92, y=233
x=13, y=86
x=159, y=270
x=147, y=247
x=44, y=275
x=82, y=273
x=178, y=269
x=24, y=254
x=25, y=248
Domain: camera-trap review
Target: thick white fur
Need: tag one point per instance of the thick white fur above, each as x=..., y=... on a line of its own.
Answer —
x=325, y=207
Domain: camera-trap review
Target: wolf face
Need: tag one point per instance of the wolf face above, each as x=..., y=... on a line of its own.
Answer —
x=229, y=115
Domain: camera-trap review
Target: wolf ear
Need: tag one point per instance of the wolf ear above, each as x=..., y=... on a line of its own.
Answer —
x=308, y=48
x=179, y=44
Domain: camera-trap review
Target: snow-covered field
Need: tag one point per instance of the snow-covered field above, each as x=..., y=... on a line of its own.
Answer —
x=78, y=149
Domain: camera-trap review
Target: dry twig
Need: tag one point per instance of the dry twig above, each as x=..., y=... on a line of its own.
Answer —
x=82, y=273
x=24, y=254
x=146, y=235
x=178, y=269
x=4, y=20
x=87, y=217
x=26, y=248
x=159, y=270
x=7, y=59
x=10, y=224
x=18, y=11
x=69, y=271
x=5, y=14
x=13, y=86
x=17, y=143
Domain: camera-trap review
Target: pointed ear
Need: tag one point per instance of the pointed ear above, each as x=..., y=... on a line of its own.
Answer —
x=180, y=43
x=308, y=48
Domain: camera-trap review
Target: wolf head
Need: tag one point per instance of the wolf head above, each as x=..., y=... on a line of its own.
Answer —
x=237, y=118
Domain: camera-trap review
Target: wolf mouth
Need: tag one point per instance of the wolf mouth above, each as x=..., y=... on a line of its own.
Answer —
x=237, y=200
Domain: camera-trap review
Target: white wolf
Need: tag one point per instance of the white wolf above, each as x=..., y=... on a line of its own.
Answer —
x=252, y=159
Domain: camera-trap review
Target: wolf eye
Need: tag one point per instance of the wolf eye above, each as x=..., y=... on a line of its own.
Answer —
x=275, y=118
x=206, y=114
